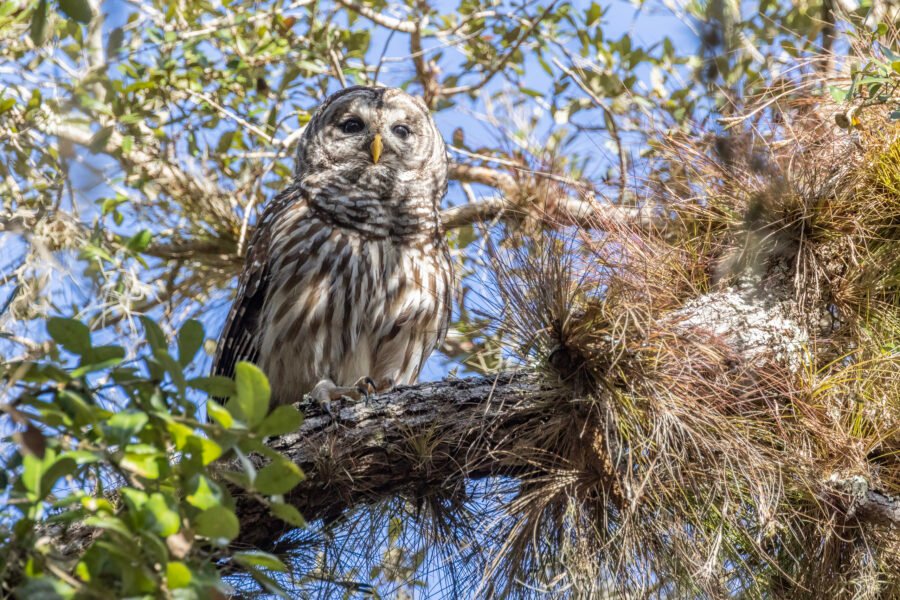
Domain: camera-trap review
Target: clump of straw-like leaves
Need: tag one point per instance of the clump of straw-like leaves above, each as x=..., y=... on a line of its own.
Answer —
x=682, y=467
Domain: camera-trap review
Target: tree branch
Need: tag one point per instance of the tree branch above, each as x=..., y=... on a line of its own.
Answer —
x=379, y=18
x=561, y=208
x=368, y=452
x=435, y=436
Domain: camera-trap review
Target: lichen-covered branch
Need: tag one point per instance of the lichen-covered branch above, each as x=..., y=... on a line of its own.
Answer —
x=407, y=441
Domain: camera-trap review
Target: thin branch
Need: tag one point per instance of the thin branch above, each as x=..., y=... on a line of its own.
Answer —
x=486, y=78
x=379, y=18
x=431, y=89
x=610, y=118
x=504, y=182
x=195, y=96
x=561, y=208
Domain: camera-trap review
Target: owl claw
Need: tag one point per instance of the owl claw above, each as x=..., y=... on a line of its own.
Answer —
x=326, y=391
x=366, y=386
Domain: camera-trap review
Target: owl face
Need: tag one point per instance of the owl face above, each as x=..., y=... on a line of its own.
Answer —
x=362, y=130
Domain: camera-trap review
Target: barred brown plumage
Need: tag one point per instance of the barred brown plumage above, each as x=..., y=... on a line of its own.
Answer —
x=348, y=274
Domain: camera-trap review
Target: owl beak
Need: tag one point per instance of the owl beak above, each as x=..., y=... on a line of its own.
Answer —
x=376, y=147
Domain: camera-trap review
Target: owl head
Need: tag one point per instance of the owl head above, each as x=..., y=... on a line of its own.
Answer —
x=363, y=131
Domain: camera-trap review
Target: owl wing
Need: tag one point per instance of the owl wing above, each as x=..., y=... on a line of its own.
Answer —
x=240, y=336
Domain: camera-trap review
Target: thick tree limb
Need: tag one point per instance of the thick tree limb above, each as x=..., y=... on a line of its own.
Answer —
x=372, y=451
x=436, y=436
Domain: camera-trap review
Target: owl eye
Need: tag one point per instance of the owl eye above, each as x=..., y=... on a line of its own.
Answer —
x=352, y=125
x=401, y=131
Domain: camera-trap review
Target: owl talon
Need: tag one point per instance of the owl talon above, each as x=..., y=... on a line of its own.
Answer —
x=366, y=386
x=385, y=385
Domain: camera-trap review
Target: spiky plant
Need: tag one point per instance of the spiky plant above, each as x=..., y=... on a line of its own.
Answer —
x=725, y=374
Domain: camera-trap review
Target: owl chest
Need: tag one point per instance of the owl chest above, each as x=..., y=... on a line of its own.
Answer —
x=339, y=300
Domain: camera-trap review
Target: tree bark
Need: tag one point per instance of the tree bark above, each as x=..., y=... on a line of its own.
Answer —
x=372, y=450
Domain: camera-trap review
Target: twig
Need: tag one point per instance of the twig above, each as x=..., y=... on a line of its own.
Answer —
x=336, y=65
x=613, y=128
x=384, y=48
x=237, y=119
x=379, y=18
x=248, y=210
x=502, y=62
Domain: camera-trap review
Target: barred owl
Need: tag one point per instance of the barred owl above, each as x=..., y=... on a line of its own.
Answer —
x=347, y=281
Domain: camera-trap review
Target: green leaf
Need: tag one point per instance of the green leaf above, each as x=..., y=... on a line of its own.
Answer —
x=267, y=583
x=837, y=94
x=287, y=513
x=593, y=14
x=114, y=41
x=190, y=338
x=93, y=505
x=109, y=523
x=209, y=450
x=6, y=104
x=32, y=471
x=178, y=575
x=93, y=252
x=135, y=498
x=79, y=10
x=251, y=403
x=143, y=462
x=98, y=359
x=154, y=334
x=38, y=29
x=204, y=493
x=217, y=523
x=75, y=405
x=282, y=420
x=60, y=468
x=179, y=433
x=174, y=369
x=44, y=587
x=165, y=520
x=83, y=457
x=215, y=385
x=99, y=139
x=139, y=241
x=202, y=449
x=219, y=414
x=121, y=427
x=278, y=477
x=71, y=334
x=260, y=559
x=127, y=144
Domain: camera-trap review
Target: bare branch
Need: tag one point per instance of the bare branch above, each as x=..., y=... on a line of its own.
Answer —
x=378, y=18
x=504, y=182
x=562, y=208
x=610, y=119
